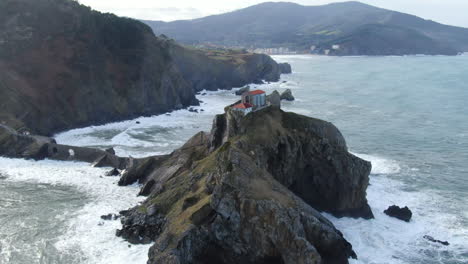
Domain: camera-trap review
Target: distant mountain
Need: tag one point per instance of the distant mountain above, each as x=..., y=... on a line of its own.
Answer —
x=349, y=28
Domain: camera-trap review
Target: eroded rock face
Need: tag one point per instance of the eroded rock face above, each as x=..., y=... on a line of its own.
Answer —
x=307, y=155
x=246, y=193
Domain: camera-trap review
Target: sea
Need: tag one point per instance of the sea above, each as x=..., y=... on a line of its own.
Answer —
x=407, y=115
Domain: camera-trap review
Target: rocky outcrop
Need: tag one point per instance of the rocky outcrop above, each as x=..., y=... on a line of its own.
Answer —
x=274, y=99
x=287, y=95
x=16, y=145
x=246, y=193
x=285, y=68
x=80, y=67
x=243, y=90
x=403, y=214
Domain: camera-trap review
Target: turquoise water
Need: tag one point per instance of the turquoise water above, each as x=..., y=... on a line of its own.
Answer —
x=407, y=115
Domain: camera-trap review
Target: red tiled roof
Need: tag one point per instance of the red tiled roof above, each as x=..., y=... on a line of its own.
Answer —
x=243, y=106
x=256, y=92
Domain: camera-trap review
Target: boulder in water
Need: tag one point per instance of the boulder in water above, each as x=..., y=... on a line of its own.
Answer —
x=285, y=68
x=110, y=217
x=400, y=213
x=287, y=95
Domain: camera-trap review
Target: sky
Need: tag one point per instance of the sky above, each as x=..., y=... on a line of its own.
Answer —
x=451, y=12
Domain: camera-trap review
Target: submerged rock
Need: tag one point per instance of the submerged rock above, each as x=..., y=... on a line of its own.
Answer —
x=400, y=213
x=246, y=193
x=113, y=172
x=445, y=243
x=109, y=217
x=287, y=95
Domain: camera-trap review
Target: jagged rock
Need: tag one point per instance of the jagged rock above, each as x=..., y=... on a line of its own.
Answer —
x=274, y=99
x=307, y=155
x=400, y=213
x=445, y=243
x=139, y=227
x=113, y=172
x=285, y=68
x=242, y=90
x=246, y=193
x=146, y=190
x=287, y=95
x=110, y=150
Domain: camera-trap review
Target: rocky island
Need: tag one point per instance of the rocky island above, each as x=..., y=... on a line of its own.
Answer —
x=250, y=191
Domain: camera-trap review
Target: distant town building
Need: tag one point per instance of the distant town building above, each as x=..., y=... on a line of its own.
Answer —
x=336, y=47
x=273, y=51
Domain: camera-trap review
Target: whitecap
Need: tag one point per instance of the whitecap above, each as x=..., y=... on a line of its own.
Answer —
x=380, y=165
x=392, y=241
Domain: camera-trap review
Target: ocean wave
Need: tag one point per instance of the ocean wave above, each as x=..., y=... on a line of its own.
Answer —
x=391, y=241
x=86, y=232
x=380, y=165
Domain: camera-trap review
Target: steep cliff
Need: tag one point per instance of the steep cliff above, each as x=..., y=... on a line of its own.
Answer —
x=63, y=65
x=224, y=69
x=248, y=192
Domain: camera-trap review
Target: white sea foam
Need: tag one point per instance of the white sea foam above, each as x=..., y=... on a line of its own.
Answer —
x=381, y=165
x=389, y=240
x=97, y=242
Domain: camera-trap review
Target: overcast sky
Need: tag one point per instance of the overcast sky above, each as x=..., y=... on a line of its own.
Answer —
x=452, y=12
